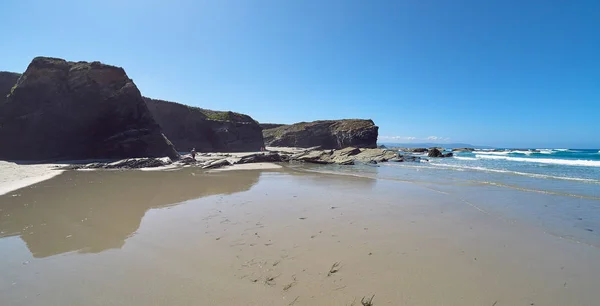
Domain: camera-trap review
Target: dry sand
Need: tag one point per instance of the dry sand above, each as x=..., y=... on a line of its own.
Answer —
x=14, y=176
x=253, y=166
x=271, y=238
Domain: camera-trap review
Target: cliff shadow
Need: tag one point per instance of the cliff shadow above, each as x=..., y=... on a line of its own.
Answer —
x=93, y=211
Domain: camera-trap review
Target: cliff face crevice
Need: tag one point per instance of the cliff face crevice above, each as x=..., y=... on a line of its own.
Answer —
x=8, y=80
x=77, y=110
x=206, y=130
x=328, y=134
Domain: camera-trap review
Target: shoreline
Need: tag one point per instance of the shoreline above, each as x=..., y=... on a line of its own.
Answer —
x=273, y=236
x=15, y=175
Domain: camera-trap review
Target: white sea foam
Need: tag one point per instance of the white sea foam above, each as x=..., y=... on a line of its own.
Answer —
x=441, y=166
x=493, y=152
x=505, y=152
x=567, y=162
x=522, y=152
x=535, y=175
x=464, y=158
x=546, y=151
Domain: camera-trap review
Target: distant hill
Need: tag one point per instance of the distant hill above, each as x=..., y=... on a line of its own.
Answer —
x=431, y=145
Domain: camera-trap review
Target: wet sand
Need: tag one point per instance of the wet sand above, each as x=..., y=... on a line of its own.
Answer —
x=270, y=237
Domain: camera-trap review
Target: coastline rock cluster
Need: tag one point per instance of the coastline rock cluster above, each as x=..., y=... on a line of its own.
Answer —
x=346, y=156
x=431, y=152
x=128, y=163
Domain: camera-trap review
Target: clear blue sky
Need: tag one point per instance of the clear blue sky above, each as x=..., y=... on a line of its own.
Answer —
x=504, y=73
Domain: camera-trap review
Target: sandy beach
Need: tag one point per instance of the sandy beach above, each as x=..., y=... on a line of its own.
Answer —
x=273, y=237
x=14, y=176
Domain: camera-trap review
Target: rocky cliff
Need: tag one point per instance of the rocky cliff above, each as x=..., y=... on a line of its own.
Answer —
x=77, y=110
x=328, y=134
x=266, y=126
x=7, y=82
x=206, y=130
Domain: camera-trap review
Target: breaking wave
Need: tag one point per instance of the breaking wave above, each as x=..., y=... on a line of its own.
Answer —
x=534, y=175
x=566, y=162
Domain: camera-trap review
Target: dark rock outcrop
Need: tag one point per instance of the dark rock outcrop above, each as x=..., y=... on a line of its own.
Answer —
x=328, y=134
x=414, y=159
x=7, y=82
x=346, y=156
x=216, y=164
x=130, y=163
x=78, y=110
x=415, y=150
x=206, y=130
x=263, y=158
x=463, y=150
x=435, y=152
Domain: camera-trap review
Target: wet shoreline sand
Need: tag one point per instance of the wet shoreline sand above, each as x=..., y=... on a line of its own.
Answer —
x=271, y=237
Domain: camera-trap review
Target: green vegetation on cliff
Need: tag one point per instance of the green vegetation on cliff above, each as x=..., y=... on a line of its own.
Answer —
x=207, y=113
x=8, y=83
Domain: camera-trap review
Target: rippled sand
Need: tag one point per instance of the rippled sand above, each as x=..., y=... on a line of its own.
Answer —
x=271, y=238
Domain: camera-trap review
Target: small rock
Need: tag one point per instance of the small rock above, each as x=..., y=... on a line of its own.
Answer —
x=435, y=152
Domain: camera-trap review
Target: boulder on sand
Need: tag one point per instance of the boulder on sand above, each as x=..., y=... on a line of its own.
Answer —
x=60, y=110
x=217, y=164
x=262, y=158
x=315, y=157
x=345, y=156
x=377, y=155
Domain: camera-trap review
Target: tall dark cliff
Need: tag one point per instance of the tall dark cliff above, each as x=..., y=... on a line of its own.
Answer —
x=206, y=130
x=328, y=134
x=7, y=82
x=77, y=110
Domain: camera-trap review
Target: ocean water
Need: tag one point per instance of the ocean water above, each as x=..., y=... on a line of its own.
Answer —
x=555, y=189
